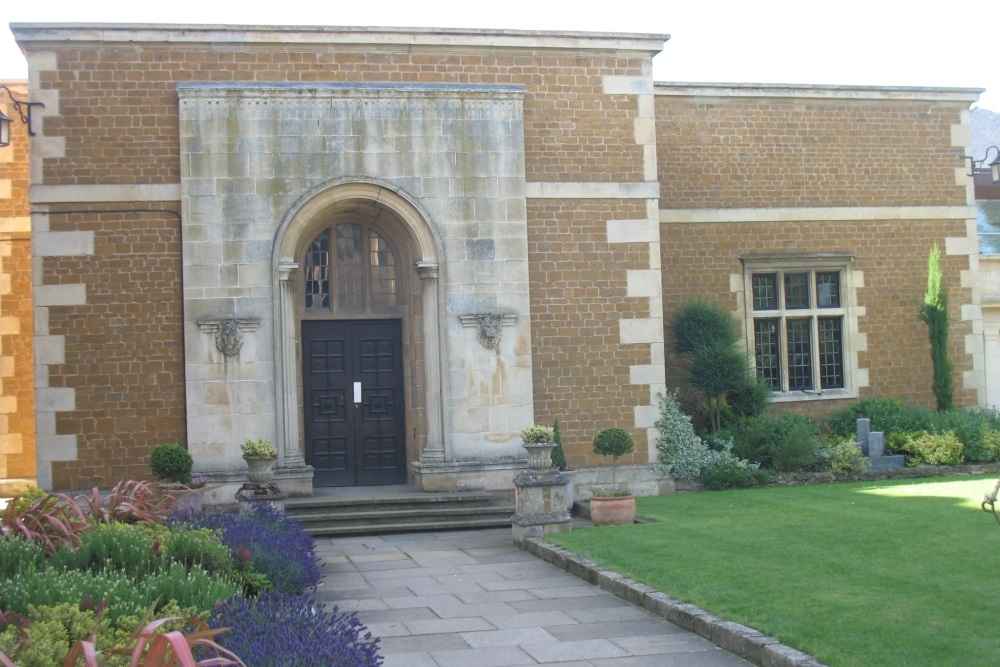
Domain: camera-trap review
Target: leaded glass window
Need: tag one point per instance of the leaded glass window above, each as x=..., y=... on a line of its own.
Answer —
x=798, y=329
x=359, y=274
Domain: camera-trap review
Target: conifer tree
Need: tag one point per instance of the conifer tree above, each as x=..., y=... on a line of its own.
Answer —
x=934, y=312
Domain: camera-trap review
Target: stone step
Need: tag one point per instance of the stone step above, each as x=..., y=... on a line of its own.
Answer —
x=409, y=527
x=402, y=512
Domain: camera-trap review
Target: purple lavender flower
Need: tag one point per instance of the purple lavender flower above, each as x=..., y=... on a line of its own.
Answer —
x=278, y=546
x=281, y=630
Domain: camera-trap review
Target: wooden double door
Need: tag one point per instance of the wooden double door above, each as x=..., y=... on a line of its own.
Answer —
x=352, y=378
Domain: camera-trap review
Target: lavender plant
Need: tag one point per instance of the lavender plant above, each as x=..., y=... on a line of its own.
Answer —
x=278, y=546
x=278, y=630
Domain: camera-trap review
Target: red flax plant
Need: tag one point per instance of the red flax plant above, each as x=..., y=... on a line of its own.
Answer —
x=56, y=520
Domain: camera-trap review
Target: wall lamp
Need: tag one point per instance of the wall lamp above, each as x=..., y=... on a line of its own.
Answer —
x=23, y=109
x=994, y=166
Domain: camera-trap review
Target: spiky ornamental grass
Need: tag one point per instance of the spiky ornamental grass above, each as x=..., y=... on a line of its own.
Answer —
x=278, y=630
x=278, y=546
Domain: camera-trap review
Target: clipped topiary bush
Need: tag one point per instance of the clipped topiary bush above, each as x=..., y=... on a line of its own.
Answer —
x=170, y=462
x=613, y=442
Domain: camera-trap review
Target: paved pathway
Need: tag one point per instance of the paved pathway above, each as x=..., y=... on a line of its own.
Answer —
x=473, y=599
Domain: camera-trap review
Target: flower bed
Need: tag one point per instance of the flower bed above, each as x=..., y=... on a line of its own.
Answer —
x=82, y=577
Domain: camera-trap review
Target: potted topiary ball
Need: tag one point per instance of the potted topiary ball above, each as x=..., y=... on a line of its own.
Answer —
x=170, y=462
x=615, y=505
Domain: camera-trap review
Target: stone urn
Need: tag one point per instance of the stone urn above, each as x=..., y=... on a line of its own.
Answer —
x=539, y=454
x=261, y=468
x=612, y=510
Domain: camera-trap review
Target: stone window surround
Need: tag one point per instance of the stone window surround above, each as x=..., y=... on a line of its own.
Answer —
x=851, y=343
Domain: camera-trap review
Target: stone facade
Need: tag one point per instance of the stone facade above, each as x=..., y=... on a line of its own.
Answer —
x=541, y=202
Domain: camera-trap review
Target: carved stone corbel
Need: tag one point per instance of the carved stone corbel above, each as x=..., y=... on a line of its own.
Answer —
x=228, y=332
x=488, y=326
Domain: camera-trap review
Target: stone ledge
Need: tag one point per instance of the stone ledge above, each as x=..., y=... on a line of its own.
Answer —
x=738, y=639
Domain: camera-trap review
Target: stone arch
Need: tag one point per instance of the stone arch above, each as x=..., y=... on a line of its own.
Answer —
x=408, y=223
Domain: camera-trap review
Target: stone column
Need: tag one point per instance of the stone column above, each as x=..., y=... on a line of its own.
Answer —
x=289, y=454
x=434, y=450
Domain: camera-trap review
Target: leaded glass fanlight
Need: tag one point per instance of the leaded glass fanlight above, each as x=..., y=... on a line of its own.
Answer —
x=351, y=268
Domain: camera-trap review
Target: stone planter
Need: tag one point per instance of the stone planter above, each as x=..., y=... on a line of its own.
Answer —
x=539, y=454
x=261, y=469
x=612, y=510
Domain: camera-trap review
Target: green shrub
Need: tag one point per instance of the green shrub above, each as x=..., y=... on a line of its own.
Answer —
x=116, y=546
x=969, y=424
x=788, y=442
x=19, y=555
x=933, y=448
x=171, y=462
x=558, y=454
x=732, y=473
x=682, y=452
x=717, y=366
x=52, y=631
x=124, y=594
x=197, y=547
x=699, y=321
x=888, y=415
x=845, y=458
x=991, y=442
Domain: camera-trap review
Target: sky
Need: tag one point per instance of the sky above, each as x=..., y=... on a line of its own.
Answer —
x=851, y=42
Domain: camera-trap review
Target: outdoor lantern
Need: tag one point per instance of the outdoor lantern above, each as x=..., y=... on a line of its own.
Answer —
x=23, y=109
x=994, y=166
x=4, y=130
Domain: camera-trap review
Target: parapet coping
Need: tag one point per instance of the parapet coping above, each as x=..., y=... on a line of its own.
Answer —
x=816, y=91
x=738, y=639
x=126, y=33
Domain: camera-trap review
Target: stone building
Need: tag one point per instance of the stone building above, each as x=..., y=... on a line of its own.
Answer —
x=389, y=250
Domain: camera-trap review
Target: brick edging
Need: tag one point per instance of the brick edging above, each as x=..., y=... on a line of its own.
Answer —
x=738, y=639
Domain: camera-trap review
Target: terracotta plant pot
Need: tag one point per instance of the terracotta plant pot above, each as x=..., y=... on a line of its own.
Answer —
x=612, y=510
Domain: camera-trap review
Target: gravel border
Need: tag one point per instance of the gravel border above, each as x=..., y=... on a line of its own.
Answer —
x=738, y=639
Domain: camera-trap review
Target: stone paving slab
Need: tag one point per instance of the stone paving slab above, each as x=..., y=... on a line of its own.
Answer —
x=472, y=598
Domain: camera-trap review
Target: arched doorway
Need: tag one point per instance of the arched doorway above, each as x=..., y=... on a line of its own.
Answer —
x=361, y=396
x=354, y=412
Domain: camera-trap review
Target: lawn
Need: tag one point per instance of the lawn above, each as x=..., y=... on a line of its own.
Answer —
x=893, y=573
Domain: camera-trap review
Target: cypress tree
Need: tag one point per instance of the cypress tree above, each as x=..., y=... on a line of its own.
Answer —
x=934, y=313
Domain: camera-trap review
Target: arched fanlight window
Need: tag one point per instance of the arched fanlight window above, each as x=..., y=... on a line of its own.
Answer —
x=350, y=268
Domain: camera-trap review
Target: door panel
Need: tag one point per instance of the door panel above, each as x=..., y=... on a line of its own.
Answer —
x=347, y=442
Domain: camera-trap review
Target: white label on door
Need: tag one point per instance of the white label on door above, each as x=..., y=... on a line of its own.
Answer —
x=357, y=392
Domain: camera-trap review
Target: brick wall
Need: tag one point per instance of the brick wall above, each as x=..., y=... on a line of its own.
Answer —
x=118, y=106
x=578, y=298
x=17, y=392
x=887, y=162
x=699, y=259
x=757, y=152
x=123, y=348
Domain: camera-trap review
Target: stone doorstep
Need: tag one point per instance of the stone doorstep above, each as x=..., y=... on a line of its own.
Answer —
x=739, y=640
